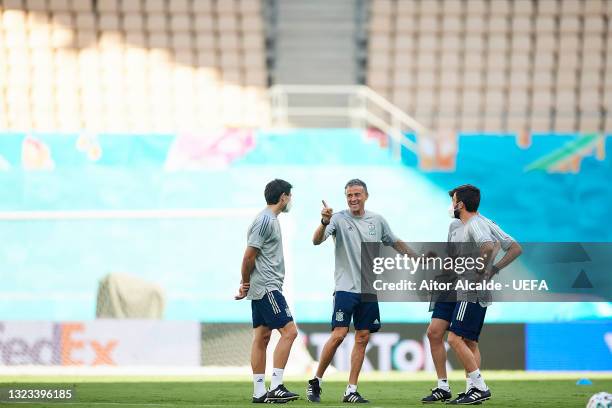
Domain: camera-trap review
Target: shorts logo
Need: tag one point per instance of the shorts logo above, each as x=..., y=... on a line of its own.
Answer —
x=376, y=321
x=288, y=312
x=339, y=316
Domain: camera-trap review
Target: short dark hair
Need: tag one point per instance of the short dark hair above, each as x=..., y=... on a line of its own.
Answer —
x=469, y=195
x=356, y=182
x=275, y=189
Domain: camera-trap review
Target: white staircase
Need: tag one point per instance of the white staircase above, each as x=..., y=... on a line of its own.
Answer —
x=317, y=42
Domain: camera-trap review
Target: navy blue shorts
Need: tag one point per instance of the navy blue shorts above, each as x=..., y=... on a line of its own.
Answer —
x=271, y=311
x=444, y=311
x=468, y=318
x=347, y=305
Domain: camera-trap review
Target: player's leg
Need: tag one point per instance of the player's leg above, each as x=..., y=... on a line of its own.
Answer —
x=467, y=323
x=473, y=345
x=344, y=304
x=464, y=354
x=440, y=320
x=283, y=347
x=329, y=349
x=366, y=318
x=261, y=338
x=313, y=389
x=341, y=319
x=278, y=317
x=362, y=337
x=435, y=334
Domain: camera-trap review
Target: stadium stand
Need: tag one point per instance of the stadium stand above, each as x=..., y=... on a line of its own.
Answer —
x=495, y=65
x=131, y=65
x=162, y=66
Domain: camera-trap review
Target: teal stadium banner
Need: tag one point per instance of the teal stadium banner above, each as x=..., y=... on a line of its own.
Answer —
x=174, y=210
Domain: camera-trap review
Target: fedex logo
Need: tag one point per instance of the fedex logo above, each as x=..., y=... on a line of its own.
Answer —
x=41, y=343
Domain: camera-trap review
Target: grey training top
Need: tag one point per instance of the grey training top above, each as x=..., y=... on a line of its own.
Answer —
x=478, y=230
x=269, y=272
x=349, y=232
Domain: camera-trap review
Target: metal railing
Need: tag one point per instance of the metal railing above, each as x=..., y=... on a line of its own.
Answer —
x=364, y=108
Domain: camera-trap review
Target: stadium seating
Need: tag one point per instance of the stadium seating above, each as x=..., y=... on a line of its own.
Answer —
x=477, y=65
x=161, y=66
x=131, y=65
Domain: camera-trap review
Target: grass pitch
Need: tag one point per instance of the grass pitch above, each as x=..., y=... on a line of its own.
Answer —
x=384, y=390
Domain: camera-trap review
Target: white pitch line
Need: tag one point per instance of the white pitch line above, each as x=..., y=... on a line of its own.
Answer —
x=178, y=213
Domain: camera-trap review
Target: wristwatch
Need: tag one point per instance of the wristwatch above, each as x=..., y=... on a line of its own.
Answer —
x=324, y=223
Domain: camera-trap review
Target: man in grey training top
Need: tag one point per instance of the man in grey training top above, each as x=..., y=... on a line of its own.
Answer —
x=464, y=317
x=263, y=273
x=350, y=228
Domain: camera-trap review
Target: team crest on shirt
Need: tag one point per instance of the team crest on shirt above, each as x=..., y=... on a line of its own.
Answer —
x=339, y=316
x=372, y=228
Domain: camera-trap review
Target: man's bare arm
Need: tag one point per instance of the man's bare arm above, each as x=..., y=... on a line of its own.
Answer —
x=403, y=248
x=511, y=254
x=248, y=264
x=319, y=235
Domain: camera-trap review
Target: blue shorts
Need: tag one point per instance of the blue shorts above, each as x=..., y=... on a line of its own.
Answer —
x=444, y=311
x=347, y=305
x=271, y=311
x=468, y=318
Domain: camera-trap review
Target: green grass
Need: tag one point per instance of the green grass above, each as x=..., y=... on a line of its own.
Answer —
x=384, y=390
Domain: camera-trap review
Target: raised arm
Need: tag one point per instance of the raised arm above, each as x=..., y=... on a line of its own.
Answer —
x=319, y=234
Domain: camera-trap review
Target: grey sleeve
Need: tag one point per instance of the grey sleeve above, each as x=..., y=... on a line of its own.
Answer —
x=505, y=240
x=260, y=231
x=387, y=236
x=479, y=232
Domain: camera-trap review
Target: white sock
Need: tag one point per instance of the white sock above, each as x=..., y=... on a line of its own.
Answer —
x=468, y=384
x=277, y=377
x=443, y=384
x=350, y=388
x=259, y=385
x=477, y=380
x=320, y=380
